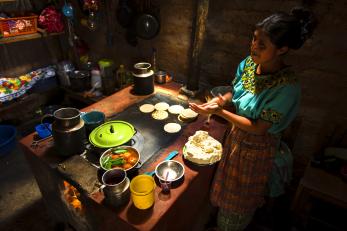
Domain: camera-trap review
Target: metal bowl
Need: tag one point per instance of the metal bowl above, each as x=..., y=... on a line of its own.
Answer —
x=169, y=170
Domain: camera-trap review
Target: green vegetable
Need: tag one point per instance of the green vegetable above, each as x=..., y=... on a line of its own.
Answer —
x=107, y=162
x=118, y=151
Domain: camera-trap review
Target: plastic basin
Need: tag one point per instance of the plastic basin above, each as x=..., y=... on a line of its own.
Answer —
x=7, y=139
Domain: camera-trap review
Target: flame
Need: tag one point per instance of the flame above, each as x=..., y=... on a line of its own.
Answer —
x=71, y=195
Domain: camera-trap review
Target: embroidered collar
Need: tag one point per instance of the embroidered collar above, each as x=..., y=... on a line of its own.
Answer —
x=257, y=83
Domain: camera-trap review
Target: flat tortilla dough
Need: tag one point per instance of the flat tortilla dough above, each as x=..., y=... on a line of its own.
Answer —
x=188, y=114
x=160, y=115
x=162, y=106
x=172, y=127
x=146, y=108
x=176, y=109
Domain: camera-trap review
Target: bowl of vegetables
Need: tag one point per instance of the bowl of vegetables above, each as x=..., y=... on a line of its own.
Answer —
x=124, y=157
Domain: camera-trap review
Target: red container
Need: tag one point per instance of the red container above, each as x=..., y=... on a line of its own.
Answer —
x=18, y=26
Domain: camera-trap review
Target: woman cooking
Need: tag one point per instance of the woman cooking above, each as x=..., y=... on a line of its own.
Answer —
x=266, y=95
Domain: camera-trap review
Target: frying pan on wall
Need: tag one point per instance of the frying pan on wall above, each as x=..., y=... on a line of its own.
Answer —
x=147, y=26
x=139, y=18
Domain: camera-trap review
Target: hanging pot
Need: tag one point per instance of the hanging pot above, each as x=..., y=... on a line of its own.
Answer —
x=143, y=79
x=147, y=26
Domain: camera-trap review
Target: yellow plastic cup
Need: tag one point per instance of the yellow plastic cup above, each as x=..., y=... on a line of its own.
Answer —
x=142, y=191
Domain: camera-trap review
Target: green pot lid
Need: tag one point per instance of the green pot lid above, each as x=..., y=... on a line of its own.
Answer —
x=111, y=134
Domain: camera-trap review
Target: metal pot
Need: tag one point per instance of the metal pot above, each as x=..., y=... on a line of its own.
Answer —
x=80, y=80
x=143, y=79
x=160, y=77
x=68, y=131
x=138, y=163
x=66, y=117
x=115, y=187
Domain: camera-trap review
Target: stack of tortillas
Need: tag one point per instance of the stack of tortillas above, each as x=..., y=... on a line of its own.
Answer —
x=187, y=115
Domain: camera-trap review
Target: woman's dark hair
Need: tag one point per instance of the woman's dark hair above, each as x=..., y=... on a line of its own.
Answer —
x=289, y=30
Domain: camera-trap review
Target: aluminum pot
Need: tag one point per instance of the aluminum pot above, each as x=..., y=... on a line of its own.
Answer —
x=68, y=130
x=160, y=77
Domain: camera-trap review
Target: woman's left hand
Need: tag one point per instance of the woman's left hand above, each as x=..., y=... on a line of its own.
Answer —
x=205, y=109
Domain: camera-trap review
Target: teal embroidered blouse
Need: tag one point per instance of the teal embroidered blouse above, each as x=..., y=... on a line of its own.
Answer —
x=274, y=98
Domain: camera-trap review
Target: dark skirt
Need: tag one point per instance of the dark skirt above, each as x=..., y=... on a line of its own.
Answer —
x=242, y=174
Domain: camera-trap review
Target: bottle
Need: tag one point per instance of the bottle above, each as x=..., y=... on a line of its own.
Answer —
x=121, y=76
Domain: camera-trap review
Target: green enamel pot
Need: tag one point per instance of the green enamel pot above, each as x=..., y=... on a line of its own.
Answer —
x=111, y=134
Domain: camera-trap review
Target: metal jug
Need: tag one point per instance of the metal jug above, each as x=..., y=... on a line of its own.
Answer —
x=68, y=131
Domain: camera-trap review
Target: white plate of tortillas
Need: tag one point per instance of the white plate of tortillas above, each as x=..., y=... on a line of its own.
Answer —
x=172, y=127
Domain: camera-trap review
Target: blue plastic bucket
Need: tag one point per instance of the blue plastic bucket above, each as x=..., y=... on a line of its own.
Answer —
x=7, y=139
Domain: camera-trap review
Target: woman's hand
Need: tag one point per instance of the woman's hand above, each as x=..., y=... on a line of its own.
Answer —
x=206, y=108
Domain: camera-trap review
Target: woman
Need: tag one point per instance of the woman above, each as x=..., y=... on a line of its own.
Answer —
x=266, y=96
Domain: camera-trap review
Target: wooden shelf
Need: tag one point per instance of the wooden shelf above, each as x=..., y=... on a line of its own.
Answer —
x=39, y=34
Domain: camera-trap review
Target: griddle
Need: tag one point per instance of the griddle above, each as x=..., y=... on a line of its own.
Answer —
x=155, y=138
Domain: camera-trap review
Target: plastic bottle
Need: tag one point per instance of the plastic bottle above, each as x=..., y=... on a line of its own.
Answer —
x=121, y=73
x=96, y=79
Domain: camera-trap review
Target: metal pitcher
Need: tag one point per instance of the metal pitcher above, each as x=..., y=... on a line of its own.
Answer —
x=68, y=131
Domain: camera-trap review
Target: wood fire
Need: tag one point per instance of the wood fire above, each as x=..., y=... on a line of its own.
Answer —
x=72, y=197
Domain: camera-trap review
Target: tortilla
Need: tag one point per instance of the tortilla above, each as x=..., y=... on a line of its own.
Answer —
x=160, y=115
x=184, y=120
x=146, y=108
x=188, y=114
x=162, y=106
x=172, y=127
x=176, y=109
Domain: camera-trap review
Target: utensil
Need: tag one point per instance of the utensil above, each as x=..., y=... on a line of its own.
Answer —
x=143, y=79
x=112, y=134
x=115, y=187
x=173, y=168
x=165, y=184
x=169, y=157
x=92, y=120
x=131, y=150
x=142, y=191
x=68, y=130
x=147, y=26
x=160, y=77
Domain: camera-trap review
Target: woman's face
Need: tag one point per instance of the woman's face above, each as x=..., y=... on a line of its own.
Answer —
x=262, y=49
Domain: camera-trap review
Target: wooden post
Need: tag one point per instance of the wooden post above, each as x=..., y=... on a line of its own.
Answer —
x=198, y=36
